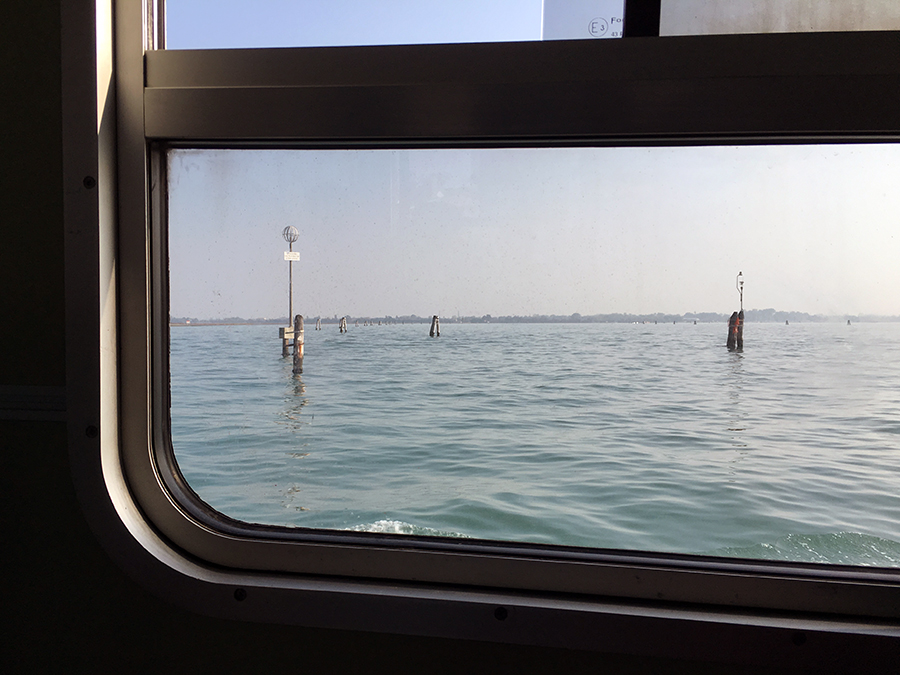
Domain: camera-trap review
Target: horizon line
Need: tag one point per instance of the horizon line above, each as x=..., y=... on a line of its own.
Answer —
x=758, y=315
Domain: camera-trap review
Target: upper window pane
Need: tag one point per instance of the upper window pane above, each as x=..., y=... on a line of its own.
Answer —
x=212, y=24
x=708, y=17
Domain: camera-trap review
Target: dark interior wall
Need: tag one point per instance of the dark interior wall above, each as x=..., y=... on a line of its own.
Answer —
x=68, y=607
x=31, y=235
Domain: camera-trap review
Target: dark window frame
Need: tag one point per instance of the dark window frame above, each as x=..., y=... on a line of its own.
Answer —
x=827, y=88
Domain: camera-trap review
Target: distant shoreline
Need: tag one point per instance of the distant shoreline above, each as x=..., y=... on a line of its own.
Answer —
x=751, y=316
x=222, y=323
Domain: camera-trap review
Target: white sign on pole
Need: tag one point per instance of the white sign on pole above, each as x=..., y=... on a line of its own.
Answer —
x=292, y=255
x=582, y=19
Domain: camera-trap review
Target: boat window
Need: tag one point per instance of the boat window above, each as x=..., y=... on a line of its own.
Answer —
x=529, y=344
x=536, y=226
x=204, y=24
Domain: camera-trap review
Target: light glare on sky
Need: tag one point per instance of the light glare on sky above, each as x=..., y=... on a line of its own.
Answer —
x=536, y=231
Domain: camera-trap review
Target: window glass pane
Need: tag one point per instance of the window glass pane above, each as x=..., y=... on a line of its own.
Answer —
x=208, y=24
x=580, y=391
x=705, y=17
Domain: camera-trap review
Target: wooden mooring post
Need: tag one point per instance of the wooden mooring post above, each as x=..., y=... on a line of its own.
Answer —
x=319, y=323
x=343, y=326
x=298, y=344
x=735, y=340
x=435, y=327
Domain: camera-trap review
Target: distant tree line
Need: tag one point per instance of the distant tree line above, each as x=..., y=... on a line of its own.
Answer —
x=750, y=315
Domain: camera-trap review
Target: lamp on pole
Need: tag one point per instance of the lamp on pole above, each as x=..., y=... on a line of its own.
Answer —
x=290, y=235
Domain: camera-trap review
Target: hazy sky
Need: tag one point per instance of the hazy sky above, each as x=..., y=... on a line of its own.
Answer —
x=536, y=231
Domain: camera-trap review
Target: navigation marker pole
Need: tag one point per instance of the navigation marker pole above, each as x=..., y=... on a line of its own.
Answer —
x=290, y=235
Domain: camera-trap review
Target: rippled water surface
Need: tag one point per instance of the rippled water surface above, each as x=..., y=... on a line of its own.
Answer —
x=649, y=437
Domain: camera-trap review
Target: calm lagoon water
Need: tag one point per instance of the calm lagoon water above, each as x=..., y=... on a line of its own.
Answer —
x=645, y=437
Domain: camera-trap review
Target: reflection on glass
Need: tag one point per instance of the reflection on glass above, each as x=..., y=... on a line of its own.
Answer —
x=722, y=17
x=580, y=392
x=582, y=19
